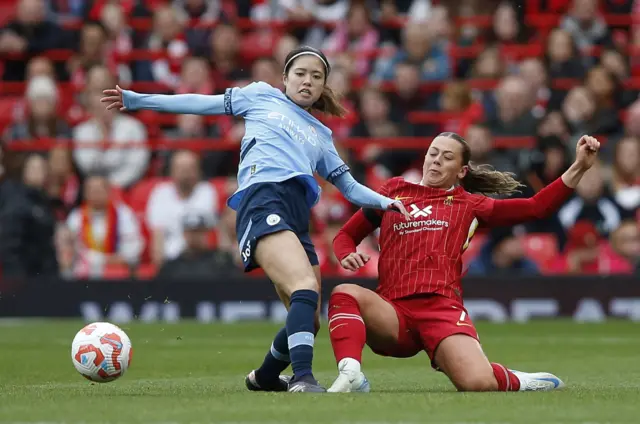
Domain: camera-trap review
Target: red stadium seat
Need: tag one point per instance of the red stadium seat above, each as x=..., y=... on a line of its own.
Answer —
x=8, y=106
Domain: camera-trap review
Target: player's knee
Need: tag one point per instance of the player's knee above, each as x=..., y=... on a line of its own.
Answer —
x=475, y=382
x=345, y=288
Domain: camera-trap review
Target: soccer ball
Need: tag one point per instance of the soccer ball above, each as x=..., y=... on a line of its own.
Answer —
x=101, y=352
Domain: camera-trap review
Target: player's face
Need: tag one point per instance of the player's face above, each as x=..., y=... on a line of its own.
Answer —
x=305, y=80
x=443, y=165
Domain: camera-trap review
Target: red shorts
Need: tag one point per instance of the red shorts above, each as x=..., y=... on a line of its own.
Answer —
x=425, y=321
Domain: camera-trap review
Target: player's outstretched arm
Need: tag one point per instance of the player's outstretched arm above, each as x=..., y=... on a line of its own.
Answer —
x=193, y=104
x=365, y=197
x=549, y=199
x=349, y=237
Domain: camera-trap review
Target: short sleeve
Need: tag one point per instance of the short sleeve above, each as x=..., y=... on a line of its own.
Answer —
x=482, y=206
x=331, y=165
x=238, y=101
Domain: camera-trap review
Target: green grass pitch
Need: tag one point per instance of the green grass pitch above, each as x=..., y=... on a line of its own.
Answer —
x=189, y=372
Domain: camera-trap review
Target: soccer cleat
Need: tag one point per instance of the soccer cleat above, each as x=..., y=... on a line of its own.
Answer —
x=350, y=378
x=306, y=384
x=281, y=385
x=538, y=381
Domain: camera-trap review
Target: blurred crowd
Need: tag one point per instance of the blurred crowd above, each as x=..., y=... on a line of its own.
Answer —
x=90, y=193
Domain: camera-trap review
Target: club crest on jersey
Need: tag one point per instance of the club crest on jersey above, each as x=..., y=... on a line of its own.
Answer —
x=448, y=201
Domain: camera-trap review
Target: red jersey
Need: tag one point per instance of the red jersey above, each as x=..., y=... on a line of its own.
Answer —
x=424, y=255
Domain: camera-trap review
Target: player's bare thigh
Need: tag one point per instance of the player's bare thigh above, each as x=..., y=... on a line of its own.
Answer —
x=380, y=318
x=461, y=358
x=285, y=262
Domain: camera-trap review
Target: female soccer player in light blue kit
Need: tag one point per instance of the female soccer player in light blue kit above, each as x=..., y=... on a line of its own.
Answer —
x=284, y=144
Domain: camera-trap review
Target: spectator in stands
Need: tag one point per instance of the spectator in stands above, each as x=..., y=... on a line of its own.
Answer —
x=375, y=122
x=356, y=36
x=119, y=38
x=579, y=108
x=61, y=10
x=513, y=115
x=480, y=141
x=562, y=56
x=265, y=69
x=42, y=120
x=197, y=261
x=167, y=37
x=618, y=66
x=63, y=183
x=91, y=52
x=606, y=92
x=418, y=48
x=632, y=121
x=532, y=70
x=625, y=178
x=170, y=201
x=625, y=241
x=592, y=203
x=488, y=65
x=587, y=252
x=457, y=101
x=27, y=225
x=285, y=44
x=554, y=124
x=547, y=162
x=205, y=10
x=585, y=25
x=30, y=33
x=502, y=255
x=40, y=66
x=224, y=53
x=195, y=77
x=507, y=30
x=105, y=232
x=124, y=165
x=407, y=98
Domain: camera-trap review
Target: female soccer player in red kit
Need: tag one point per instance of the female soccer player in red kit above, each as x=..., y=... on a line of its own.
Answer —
x=418, y=302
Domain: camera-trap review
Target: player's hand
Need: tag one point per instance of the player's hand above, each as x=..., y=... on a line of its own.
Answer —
x=587, y=151
x=354, y=261
x=399, y=207
x=113, y=99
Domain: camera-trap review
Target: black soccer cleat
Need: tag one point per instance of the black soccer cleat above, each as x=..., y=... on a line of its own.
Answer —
x=280, y=385
x=306, y=384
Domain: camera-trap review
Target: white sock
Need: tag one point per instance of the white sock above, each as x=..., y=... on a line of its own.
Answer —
x=349, y=364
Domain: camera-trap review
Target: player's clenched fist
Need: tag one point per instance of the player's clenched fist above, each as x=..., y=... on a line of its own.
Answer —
x=354, y=261
x=587, y=151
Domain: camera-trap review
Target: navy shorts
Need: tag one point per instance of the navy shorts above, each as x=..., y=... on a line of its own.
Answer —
x=267, y=208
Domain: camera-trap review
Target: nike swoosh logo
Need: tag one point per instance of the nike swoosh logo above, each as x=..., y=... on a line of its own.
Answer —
x=402, y=198
x=337, y=326
x=460, y=324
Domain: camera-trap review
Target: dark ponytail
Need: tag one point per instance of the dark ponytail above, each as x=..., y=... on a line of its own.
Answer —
x=484, y=179
x=328, y=102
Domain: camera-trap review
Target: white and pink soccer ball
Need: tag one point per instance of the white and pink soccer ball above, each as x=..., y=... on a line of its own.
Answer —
x=101, y=352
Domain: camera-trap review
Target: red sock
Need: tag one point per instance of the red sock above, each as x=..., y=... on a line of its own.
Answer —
x=507, y=381
x=346, y=327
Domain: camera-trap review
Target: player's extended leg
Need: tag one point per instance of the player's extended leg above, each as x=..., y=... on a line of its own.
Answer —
x=357, y=316
x=267, y=377
x=284, y=260
x=461, y=358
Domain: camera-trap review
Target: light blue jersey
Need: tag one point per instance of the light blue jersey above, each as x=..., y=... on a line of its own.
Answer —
x=281, y=141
